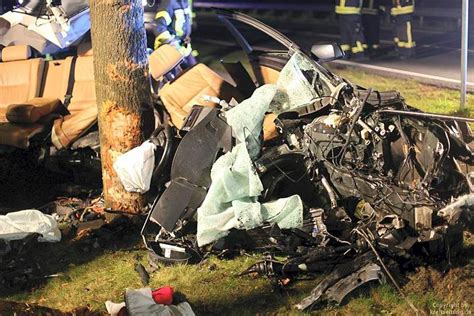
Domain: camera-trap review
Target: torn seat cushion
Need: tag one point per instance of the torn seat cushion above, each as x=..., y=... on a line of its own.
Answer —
x=32, y=110
x=188, y=89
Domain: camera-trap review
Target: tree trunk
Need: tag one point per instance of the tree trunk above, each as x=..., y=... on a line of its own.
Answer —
x=122, y=87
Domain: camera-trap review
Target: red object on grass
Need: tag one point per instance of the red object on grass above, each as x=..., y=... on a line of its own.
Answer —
x=163, y=295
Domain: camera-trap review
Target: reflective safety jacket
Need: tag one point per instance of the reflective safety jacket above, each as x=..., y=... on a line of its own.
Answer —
x=173, y=23
x=348, y=6
x=401, y=7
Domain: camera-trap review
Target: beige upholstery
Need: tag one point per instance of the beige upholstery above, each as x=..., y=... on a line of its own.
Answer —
x=31, y=111
x=20, y=80
x=82, y=108
x=187, y=90
x=163, y=60
x=14, y=53
x=56, y=78
x=269, y=127
x=3, y=115
x=268, y=75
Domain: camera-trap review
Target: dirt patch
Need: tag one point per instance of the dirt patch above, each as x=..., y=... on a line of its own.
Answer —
x=452, y=287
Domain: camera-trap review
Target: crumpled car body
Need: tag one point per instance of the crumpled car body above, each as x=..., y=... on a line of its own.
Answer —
x=47, y=27
x=381, y=182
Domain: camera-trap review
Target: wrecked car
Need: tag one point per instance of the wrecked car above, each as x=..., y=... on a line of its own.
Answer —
x=301, y=163
x=290, y=160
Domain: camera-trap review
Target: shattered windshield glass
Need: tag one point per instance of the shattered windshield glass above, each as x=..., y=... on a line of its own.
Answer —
x=299, y=83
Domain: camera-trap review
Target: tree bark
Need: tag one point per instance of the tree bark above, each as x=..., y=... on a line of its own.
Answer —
x=123, y=92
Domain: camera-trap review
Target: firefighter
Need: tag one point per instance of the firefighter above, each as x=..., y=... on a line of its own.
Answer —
x=402, y=15
x=371, y=25
x=173, y=26
x=350, y=25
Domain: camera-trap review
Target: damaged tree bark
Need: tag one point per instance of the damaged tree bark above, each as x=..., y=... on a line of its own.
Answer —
x=123, y=93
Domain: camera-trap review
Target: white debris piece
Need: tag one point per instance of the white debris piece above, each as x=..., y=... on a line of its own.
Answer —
x=135, y=167
x=18, y=225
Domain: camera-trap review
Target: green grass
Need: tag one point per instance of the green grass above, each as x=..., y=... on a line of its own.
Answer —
x=89, y=278
x=213, y=287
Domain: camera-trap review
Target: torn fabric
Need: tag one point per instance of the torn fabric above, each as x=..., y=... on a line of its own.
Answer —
x=232, y=200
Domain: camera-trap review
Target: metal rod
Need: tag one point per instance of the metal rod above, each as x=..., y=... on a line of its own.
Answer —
x=464, y=51
x=428, y=115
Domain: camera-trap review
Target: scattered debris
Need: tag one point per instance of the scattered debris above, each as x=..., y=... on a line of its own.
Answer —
x=144, y=276
x=81, y=223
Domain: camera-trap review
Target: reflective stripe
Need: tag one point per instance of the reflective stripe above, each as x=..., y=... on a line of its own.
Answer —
x=359, y=48
x=402, y=10
x=406, y=44
x=162, y=38
x=156, y=44
x=166, y=35
x=345, y=47
x=165, y=15
x=179, y=22
x=375, y=46
x=409, y=34
x=347, y=10
x=185, y=50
